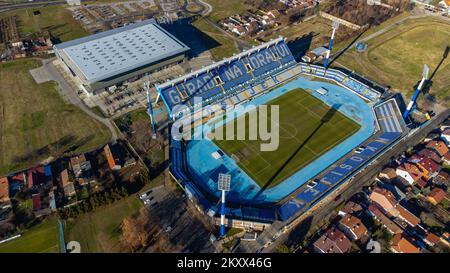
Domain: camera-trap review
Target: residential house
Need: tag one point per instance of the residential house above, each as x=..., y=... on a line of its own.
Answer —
x=80, y=166
x=36, y=177
x=436, y=195
x=444, y=5
x=113, y=160
x=407, y=216
x=385, y=199
x=16, y=183
x=66, y=184
x=431, y=239
x=421, y=184
x=430, y=154
x=402, y=244
x=409, y=172
x=390, y=225
x=428, y=167
x=273, y=13
x=388, y=203
x=442, y=177
x=4, y=190
x=352, y=227
x=445, y=136
x=446, y=159
x=351, y=208
x=398, y=194
x=438, y=146
x=388, y=174
x=36, y=198
x=332, y=241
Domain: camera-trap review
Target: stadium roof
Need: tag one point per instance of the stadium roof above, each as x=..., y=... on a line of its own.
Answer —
x=218, y=64
x=106, y=54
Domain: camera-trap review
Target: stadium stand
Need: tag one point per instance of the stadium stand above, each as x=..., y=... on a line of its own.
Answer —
x=341, y=78
x=336, y=175
x=228, y=76
x=388, y=118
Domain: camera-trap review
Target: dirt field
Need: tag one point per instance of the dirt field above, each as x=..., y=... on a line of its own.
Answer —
x=35, y=123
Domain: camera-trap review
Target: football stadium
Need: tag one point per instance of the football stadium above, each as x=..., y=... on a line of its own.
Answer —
x=331, y=125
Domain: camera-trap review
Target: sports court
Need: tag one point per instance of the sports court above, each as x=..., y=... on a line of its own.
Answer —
x=307, y=128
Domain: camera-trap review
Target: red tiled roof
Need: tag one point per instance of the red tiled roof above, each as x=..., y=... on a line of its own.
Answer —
x=439, y=146
x=65, y=178
x=4, y=189
x=432, y=238
x=354, y=224
x=351, y=207
x=109, y=157
x=36, y=201
x=402, y=244
x=412, y=169
x=333, y=241
x=437, y=194
x=429, y=165
x=430, y=154
x=407, y=215
x=421, y=183
x=390, y=225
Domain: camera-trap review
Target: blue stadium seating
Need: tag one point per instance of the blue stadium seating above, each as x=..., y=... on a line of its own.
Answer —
x=239, y=70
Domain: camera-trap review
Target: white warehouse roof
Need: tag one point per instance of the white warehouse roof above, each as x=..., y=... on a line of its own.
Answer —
x=110, y=53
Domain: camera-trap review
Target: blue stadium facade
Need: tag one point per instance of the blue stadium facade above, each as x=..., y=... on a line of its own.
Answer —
x=255, y=73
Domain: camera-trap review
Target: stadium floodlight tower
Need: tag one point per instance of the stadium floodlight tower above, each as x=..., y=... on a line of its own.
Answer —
x=412, y=103
x=150, y=109
x=335, y=26
x=223, y=185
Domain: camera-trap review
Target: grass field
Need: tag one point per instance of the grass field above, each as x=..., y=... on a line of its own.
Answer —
x=226, y=46
x=35, y=123
x=99, y=231
x=396, y=58
x=55, y=19
x=42, y=238
x=223, y=9
x=308, y=128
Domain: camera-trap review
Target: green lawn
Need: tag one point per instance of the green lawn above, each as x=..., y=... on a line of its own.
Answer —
x=226, y=47
x=99, y=231
x=223, y=9
x=42, y=238
x=303, y=138
x=396, y=58
x=55, y=19
x=35, y=122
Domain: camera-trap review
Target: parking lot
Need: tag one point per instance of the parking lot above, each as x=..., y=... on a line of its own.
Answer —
x=177, y=221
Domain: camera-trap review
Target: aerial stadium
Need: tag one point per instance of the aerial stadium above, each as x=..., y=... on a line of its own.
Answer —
x=332, y=125
x=112, y=57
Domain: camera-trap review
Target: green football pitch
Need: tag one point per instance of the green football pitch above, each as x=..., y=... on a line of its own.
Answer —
x=308, y=128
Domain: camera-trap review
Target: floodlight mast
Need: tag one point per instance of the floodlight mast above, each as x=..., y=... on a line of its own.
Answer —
x=413, y=101
x=223, y=184
x=150, y=109
x=335, y=26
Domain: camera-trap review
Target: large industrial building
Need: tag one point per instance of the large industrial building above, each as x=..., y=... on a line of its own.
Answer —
x=112, y=57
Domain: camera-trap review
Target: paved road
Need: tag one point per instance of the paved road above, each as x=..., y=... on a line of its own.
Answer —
x=70, y=95
x=36, y=3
